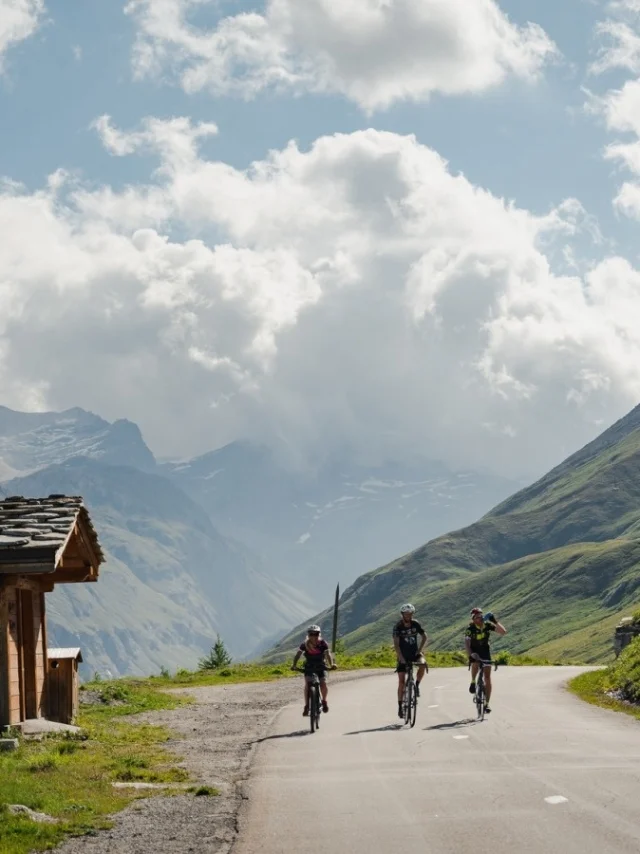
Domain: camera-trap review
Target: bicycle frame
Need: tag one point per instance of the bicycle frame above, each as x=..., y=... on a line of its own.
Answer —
x=409, y=697
x=315, y=701
x=479, y=698
x=315, y=706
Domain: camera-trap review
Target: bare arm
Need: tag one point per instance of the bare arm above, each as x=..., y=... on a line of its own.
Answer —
x=500, y=629
x=296, y=659
x=396, y=644
x=423, y=643
x=467, y=646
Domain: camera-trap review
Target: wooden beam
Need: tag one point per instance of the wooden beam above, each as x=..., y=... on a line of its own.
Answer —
x=77, y=576
x=26, y=582
x=93, y=557
x=73, y=562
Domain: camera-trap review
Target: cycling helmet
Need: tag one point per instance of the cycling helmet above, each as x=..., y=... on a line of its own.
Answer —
x=476, y=611
x=407, y=609
x=313, y=629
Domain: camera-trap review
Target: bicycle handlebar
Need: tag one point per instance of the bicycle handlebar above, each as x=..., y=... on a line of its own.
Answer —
x=302, y=670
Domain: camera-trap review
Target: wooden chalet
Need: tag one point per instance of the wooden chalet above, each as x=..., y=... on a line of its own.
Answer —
x=43, y=542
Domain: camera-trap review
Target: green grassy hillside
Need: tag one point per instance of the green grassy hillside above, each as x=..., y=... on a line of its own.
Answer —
x=558, y=562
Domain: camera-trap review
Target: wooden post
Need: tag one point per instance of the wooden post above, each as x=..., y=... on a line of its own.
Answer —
x=14, y=658
x=29, y=666
x=45, y=682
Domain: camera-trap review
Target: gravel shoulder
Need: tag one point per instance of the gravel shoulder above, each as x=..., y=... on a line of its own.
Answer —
x=216, y=737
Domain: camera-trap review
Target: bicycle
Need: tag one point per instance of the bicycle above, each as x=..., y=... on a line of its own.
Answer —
x=409, y=697
x=479, y=698
x=315, y=701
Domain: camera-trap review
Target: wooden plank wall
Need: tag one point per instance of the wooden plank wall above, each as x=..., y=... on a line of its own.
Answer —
x=22, y=655
x=4, y=660
x=15, y=678
x=63, y=691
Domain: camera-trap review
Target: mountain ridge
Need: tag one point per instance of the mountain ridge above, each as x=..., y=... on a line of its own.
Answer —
x=583, y=516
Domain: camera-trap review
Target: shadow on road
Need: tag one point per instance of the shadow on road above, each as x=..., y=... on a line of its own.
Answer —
x=453, y=724
x=388, y=728
x=295, y=734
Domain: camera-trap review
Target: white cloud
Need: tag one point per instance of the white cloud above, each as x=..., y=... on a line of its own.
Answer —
x=620, y=107
x=19, y=19
x=374, y=52
x=357, y=295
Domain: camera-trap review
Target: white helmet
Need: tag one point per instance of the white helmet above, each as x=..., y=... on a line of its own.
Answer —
x=313, y=629
x=407, y=609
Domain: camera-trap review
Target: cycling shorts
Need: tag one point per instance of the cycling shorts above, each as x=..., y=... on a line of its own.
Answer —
x=418, y=660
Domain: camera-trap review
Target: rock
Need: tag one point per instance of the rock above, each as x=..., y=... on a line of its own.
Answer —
x=39, y=817
x=9, y=744
x=40, y=726
x=150, y=785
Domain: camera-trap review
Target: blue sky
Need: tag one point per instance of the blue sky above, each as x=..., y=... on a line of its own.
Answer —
x=529, y=143
x=526, y=138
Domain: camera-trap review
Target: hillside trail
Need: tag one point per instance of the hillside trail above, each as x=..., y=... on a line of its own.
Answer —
x=215, y=737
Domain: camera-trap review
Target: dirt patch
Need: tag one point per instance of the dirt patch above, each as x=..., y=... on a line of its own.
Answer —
x=216, y=736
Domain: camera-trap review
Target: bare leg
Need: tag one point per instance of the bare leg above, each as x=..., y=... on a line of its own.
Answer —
x=401, y=681
x=487, y=683
x=421, y=671
x=324, y=690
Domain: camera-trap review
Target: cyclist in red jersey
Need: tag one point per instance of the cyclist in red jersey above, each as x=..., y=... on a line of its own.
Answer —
x=317, y=655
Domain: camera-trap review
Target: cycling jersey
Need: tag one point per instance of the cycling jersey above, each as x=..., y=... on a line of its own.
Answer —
x=314, y=656
x=407, y=634
x=479, y=637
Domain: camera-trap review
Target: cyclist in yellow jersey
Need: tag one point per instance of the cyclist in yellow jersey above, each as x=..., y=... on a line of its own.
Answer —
x=478, y=647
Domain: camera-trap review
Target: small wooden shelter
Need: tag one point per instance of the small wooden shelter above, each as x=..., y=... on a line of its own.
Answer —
x=43, y=542
x=63, y=684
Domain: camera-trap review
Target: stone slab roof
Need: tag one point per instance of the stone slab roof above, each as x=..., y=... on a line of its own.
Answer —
x=35, y=530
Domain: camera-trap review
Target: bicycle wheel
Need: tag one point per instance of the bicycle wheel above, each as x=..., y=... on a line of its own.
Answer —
x=480, y=698
x=313, y=700
x=410, y=696
x=318, y=706
x=414, y=705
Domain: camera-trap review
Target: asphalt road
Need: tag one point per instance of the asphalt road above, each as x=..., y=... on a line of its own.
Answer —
x=543, y=773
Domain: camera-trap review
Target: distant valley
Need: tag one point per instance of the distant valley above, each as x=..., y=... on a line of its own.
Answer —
x=229, y=542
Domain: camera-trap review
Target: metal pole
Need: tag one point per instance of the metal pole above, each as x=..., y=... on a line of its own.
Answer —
x=335, y=621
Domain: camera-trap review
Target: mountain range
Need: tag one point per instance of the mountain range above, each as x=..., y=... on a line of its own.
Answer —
x=231, y=542
x=320, y=527
x=558, y=563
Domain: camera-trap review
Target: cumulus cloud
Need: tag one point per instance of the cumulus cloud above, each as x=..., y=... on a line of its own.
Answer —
x=355, y=297
x=19, y=19
x=374, y=52
x=619, y=107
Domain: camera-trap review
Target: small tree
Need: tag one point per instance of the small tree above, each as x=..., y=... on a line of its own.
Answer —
x=217, y=657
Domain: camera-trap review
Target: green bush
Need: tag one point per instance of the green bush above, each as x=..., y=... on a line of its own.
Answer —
x=624, y=675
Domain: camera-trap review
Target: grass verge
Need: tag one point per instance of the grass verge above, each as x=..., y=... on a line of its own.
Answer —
x=616, y=687
x=381, y=657
x=69, y=777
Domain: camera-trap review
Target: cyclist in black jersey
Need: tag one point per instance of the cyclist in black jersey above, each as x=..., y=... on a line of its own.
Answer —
x=477, y=644
x=405, y=641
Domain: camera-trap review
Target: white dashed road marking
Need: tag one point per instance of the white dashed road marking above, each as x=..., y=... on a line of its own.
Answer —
x=556, y=799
